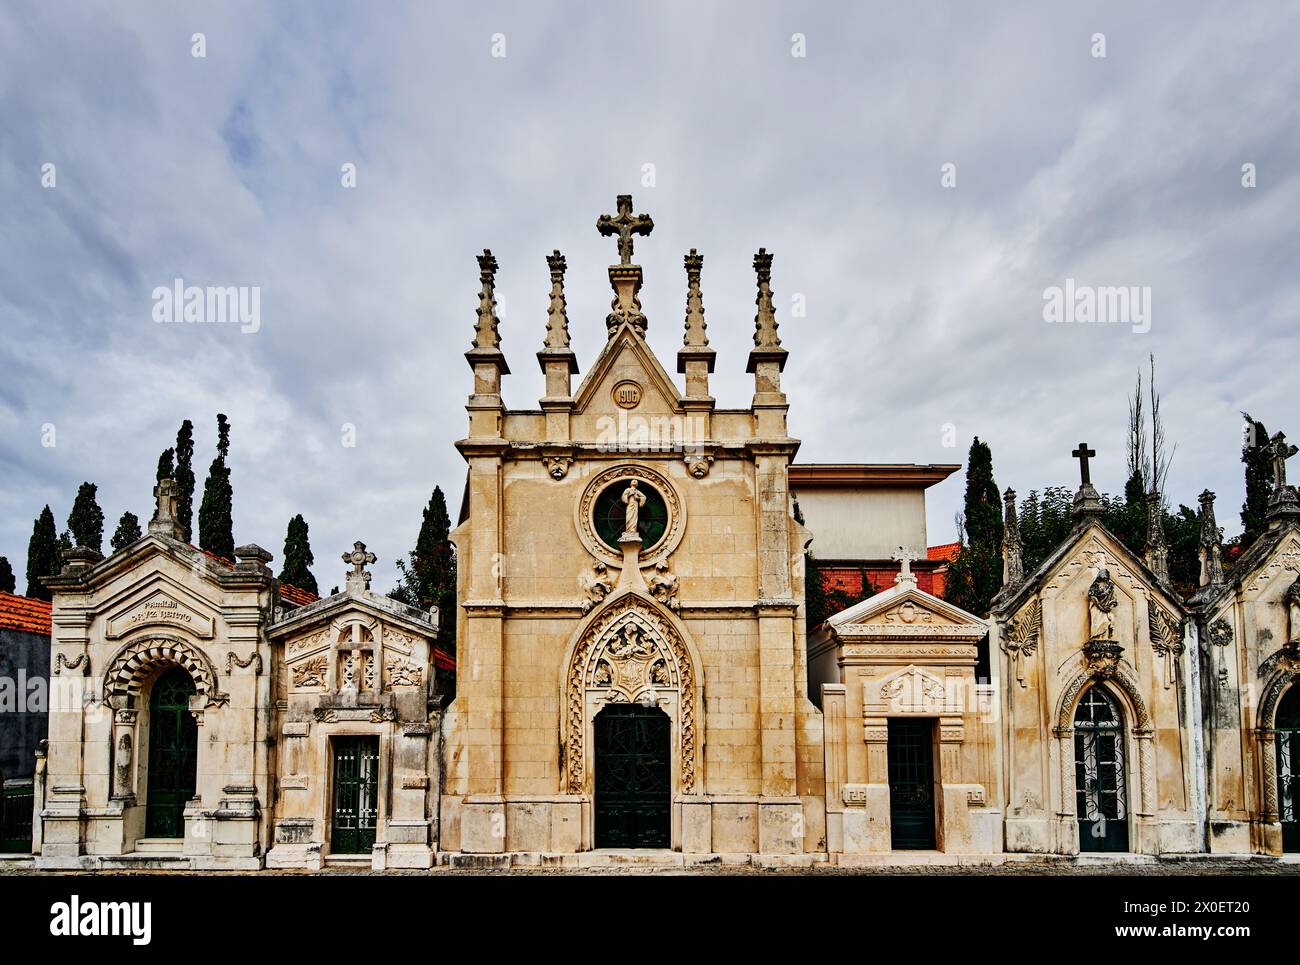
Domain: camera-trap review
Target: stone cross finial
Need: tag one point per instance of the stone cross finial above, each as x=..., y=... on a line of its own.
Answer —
x=696, y=331
x=1281, y=451
x=358, y=578
x=557, y=318
x=164, y=522
x=906, y=557
x=486, y=335
x=1087, y=502
x=765, y=327
x=1083, y=454
x=625, y=225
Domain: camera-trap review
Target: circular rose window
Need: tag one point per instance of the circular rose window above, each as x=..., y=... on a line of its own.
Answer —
x=610, y=514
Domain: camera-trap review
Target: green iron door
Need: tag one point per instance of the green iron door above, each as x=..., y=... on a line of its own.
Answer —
x=1288, y=767
x=1099, y=773
x=633, y=784
x=356, y=793
x=173, y=749
x=911, y=783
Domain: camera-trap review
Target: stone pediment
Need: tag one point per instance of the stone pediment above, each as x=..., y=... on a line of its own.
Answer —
x=403, y=624
x=627, y=378
x=159, y=608
x=1284, y=560
x=1077, y=560
x=906, y=612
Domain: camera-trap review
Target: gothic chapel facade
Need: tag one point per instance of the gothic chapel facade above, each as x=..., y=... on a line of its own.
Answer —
x=633, y=677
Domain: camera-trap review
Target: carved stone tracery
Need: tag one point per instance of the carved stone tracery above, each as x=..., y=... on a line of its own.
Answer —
x=630, y=652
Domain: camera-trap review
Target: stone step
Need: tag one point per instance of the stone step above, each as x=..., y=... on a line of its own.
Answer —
x=159, y=845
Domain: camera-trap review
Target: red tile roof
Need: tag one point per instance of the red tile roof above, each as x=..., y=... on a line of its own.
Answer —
x=443, y=660
x=24, y=614
x=297, y=596
x=945, y=551
x=849, y=578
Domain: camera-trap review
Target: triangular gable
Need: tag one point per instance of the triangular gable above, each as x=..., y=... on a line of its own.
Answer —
x=905, y=610
x=627, y=355
x=1089, y=546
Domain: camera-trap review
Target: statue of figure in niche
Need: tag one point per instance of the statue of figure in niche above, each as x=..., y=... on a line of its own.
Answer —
x=633, y=499
x=1101, y=607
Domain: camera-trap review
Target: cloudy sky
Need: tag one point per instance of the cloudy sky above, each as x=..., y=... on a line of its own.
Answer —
x=924, y=302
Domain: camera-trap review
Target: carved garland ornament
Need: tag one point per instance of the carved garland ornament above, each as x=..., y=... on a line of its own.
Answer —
x=629, y=651
x=137, y=661
x=586, y=524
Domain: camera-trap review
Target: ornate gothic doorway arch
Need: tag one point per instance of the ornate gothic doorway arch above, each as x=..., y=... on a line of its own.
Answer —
x=1100, y=772
x=631, y=698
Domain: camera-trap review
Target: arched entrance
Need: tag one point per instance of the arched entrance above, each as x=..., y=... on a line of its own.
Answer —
x=1288, y=767
x=1100, y=773
x=633, y=777
x=173, y=748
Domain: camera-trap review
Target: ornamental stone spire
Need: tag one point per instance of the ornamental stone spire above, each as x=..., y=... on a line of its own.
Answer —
x=1211, y=554
x=765, y=335
x=486, y=335
x=558, y=364
x=486, y=358
x=557, y=319
x=767, y=357
x=1157, y=548
x=1013, y=566
x=695, y=359
x=556, y=351
x=625, y=277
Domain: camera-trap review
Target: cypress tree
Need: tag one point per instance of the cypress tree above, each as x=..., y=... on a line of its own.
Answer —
x=975, y=574
x=1259, y=480
x=429, y=576
x=298, y=557
x=42, y=555
x=184, y=476
x=128, y=531
x=65, y=544
x=86, y=521
x=166, y=465
x=216, y=523
x=7, y=583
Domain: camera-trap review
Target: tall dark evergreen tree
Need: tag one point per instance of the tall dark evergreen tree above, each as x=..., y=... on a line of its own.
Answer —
x=65, y=544
x=42, y=555
x=7, y=582
x=298, y=557
x=216, y=521
x=86, y=521
x=1259, y=480
x=166, y=465
x=428, y=576
x=184, y=476
x=128, y=531
x=975, y=574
